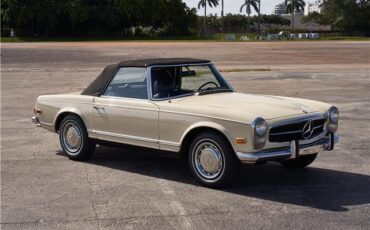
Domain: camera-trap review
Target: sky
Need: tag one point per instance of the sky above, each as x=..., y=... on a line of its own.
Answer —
x=233, y=6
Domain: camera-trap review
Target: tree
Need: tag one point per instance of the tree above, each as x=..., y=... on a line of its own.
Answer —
x=348, y=16
x=248, y=4
x=294, y=5
x=107, y=18
x=204, y=3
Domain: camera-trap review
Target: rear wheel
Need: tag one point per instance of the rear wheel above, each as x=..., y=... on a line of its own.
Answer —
x=300, y=162
x=212, y=160
x=74, y=139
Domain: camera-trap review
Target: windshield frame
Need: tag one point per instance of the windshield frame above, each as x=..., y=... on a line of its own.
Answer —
x=210, y=65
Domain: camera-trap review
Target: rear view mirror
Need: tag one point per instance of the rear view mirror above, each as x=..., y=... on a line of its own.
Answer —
x=188, y=73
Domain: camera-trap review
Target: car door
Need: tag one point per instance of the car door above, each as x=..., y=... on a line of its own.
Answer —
x=124, y=114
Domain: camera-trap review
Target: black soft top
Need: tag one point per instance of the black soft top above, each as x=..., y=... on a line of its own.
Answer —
x=100, y=83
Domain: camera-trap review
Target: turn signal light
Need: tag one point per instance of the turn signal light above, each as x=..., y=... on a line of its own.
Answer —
x=37, y=111
x=241, y=140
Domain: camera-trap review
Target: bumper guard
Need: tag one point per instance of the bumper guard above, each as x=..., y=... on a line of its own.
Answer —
x=36, y=121
x=292, y=152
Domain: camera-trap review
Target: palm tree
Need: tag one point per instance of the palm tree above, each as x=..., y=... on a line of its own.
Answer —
x=248, y=4
x=222, y=6
x=294, y=5
x=204, y=3
x=259, y=17
x=222, y=14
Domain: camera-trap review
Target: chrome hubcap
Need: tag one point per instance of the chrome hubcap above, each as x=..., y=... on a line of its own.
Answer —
x=208, y=160
x=72, y=138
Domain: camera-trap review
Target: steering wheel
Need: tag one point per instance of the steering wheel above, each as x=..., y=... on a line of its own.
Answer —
x=207, y=83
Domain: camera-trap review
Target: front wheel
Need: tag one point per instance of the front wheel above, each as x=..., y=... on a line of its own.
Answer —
x=212, y=160
x=74, y=139
x=300, y=162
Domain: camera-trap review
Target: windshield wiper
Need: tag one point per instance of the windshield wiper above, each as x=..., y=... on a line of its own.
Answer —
x=214, y=90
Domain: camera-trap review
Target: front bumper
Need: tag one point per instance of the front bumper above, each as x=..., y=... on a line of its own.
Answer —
x=291, y=152
x=36, y=121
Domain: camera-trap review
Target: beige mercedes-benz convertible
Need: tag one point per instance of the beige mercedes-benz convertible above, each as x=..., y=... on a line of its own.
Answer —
x=186, y=107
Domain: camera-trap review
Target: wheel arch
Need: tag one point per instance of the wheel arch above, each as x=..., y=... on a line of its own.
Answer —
x=196, y=129
x=65, y=112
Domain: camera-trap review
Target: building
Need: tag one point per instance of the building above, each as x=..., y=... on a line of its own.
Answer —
x=313, y=7
x=280, y=9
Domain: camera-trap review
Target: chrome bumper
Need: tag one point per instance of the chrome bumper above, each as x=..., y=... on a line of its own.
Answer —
x=36, y=121
x=291, y=152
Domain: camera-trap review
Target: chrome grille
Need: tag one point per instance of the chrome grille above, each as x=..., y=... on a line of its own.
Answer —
x=294, y=131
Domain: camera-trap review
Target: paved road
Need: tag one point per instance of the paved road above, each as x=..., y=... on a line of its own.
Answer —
x=138, y=189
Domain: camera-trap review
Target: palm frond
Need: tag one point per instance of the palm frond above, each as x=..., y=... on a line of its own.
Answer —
x=201, y=4
x=212, y=3
x=241, y=8
x=254, y=4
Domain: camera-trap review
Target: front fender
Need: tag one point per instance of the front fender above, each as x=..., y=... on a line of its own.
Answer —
x=230, y=130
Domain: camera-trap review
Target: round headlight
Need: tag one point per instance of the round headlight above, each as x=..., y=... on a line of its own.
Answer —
x=260, y=127
x=260, y=130
x=334, y=115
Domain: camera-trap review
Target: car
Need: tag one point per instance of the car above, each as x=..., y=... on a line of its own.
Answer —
x=184, y=106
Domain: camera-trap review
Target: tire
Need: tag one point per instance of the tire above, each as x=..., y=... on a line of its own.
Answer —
x=300, y=162
x=211, y=151
x=74, y=139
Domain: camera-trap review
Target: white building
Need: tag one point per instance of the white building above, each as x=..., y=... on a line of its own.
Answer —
x=313, y=7
x=280, y=9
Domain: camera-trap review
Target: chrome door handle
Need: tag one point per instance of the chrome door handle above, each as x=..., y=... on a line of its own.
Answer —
x=98, y=107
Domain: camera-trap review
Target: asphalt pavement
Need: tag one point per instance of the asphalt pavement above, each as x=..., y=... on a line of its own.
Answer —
x=141, y=189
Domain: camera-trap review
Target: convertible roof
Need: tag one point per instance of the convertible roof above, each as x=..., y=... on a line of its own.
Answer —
x=100, y=83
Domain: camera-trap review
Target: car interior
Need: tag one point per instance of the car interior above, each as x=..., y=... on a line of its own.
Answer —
x=166, y=82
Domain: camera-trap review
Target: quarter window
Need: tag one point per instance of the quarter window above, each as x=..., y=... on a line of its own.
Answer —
x=129, y=82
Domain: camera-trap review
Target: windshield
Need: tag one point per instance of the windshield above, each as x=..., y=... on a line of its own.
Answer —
x=178, y=81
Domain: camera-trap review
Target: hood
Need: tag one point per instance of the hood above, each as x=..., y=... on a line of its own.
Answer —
x=267, y=107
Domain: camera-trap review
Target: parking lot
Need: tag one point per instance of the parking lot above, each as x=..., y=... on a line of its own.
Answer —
x=139, y=189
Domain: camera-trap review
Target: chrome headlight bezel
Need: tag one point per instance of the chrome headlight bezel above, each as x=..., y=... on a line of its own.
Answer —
x=260, y=131
x=333, y=119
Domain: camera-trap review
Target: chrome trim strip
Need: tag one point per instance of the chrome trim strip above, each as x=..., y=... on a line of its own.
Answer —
x=127, y=107
x=298, y=131
x=313, y=139
x=44, y=123
x=170, y=143
x=135, y=138
x=284, y=133
x=302, y=119
x=250, y=158
x=301, y=142
x=267, y=155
